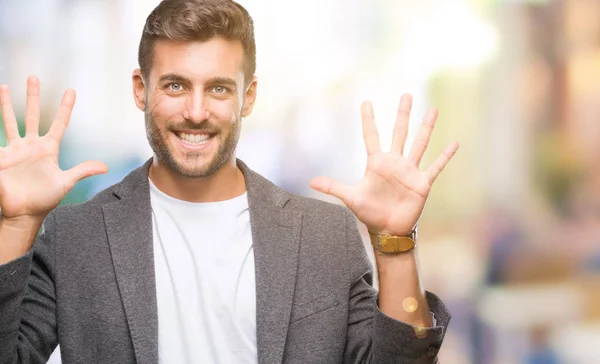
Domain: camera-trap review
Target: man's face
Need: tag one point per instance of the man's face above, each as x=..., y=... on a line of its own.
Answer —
x=194, y=101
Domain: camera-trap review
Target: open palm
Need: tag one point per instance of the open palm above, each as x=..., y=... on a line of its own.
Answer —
x=31, y=181
x=391, y=196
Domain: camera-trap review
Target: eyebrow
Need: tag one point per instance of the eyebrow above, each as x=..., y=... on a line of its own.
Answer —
x=173, y=77
x=225, y=81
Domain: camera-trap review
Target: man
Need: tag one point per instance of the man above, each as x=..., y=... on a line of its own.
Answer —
x=195, y=258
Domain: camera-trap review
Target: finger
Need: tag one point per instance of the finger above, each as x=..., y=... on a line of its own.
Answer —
x=440, y=163
x=84, y=170
x=418, y=149
x=333, y=188
x=11, y=129
x=60, y=123
x=370, y=133
x=401, y=126
x=32, y=108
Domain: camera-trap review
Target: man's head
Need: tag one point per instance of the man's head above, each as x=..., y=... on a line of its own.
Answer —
x=196, y=81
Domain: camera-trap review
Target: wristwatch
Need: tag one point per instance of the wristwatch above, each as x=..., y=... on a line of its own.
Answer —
x=391, y=244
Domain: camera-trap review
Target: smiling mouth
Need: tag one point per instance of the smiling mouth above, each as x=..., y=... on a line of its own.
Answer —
x=196, y=139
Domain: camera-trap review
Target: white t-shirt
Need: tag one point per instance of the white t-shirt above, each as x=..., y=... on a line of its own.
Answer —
x=205, y=282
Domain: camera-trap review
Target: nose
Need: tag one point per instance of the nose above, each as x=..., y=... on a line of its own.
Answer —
x=196, y=108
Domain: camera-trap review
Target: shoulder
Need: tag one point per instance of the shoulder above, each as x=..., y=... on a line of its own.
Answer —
x=91, y=210
x=315, y=206
x=79, y=216
x=319, y=215
x=263, y=192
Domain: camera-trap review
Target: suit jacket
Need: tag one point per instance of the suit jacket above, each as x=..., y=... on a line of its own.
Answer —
x=88, y=284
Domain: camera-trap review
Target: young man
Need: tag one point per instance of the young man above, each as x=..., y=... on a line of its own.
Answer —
x=195, y=258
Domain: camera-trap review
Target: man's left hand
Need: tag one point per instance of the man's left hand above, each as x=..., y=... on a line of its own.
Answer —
x=391, y=196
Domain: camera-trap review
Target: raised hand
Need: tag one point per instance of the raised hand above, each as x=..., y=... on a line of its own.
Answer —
x=391, y=196
x=31, y=182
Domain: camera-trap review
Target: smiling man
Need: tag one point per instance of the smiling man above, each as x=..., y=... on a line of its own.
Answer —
x=195, y=258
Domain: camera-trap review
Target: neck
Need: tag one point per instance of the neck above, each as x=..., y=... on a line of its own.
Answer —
x=226, y=183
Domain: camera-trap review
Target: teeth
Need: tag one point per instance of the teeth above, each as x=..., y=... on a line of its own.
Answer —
x=194, y=139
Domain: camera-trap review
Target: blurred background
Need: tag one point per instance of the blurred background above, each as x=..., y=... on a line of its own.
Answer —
x=510, y=238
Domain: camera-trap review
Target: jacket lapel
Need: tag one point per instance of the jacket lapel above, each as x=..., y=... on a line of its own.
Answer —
x=276, y=239
x=129, y=229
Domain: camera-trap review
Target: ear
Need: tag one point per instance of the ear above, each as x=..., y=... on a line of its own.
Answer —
x=249, y=97
x=139, y=89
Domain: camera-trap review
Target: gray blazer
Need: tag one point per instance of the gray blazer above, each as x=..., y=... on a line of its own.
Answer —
x=88, y=284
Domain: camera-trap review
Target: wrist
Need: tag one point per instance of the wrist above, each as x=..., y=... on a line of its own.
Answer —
x=396, y=264
x=395, y=232
x=26, y=223
x=392, y=244
x=17, y=237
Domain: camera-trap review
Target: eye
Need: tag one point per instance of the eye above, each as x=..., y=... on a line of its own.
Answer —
x=175, y=87
x=220, y=89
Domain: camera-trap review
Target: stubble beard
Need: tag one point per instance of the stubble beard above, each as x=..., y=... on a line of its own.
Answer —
x=160, y=147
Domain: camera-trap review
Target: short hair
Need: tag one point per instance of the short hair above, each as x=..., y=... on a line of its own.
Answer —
x=198, y=20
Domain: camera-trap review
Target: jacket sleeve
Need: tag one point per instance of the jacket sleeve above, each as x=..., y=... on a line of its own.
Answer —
x=27, y=303
x=373, y=337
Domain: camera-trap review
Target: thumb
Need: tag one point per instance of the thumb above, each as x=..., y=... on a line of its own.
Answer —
x=83, y=170
x=331, y=187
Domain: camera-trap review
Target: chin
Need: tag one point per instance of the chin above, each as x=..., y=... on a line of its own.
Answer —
x=193, y=170
x=197, y=169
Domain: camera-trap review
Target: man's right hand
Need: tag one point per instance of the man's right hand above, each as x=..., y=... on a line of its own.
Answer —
x=31, y=181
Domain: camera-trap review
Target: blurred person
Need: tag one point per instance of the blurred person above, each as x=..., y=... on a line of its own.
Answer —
x=542, y=352
x=195, y=258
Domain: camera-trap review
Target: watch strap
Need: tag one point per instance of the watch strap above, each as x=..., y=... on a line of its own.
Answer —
x=392, y=244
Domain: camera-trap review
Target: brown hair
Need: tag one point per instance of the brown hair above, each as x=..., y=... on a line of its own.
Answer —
x=198, y=20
